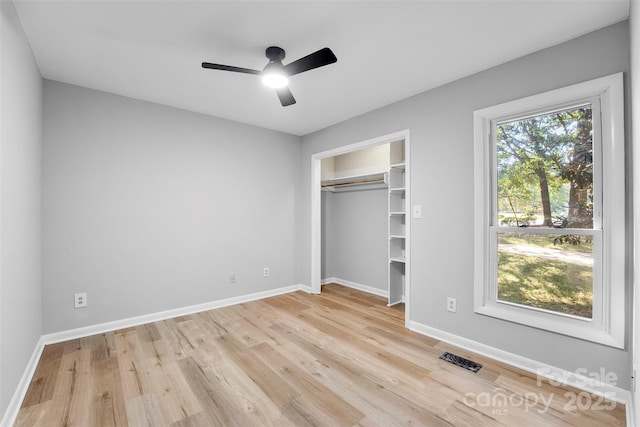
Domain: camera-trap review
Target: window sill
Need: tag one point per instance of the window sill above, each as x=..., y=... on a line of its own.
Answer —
x=573, y=326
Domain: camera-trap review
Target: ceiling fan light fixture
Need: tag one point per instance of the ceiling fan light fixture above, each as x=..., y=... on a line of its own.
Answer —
x=274, y=76
x=275, y=80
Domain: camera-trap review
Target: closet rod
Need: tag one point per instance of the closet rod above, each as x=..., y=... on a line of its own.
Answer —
x=356, y=182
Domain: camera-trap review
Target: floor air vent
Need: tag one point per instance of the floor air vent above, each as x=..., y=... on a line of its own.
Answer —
x=461, y=361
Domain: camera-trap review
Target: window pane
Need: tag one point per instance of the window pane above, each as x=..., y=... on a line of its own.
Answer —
x=545, y=170
x=552, y=272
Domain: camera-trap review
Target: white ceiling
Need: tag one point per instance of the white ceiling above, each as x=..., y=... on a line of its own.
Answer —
x=387, y=50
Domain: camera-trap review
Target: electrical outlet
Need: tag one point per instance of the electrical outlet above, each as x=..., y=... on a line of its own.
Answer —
x=451, y=305
x=266, y=272
x=80, y=300
x=232, y=278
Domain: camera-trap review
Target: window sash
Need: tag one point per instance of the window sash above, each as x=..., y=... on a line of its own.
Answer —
x=598, y=302
x=596, y=124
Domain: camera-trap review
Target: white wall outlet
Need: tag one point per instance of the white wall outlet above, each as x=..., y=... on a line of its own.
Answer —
x=451, y=305
x=266, y=272
x=232, y=278
x=417, y=211
x=80, y=300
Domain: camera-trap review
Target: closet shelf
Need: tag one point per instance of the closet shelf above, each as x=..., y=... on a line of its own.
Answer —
x=398, y=223
x=354, y=183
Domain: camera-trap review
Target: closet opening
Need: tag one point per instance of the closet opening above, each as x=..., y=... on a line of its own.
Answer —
x=360, y=217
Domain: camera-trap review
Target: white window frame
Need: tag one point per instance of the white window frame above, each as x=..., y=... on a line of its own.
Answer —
x=608, y=323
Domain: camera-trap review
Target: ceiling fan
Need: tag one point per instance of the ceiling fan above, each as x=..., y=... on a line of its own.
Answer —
x=276, y=75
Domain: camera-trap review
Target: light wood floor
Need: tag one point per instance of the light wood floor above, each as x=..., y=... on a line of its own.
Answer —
x=338, y=359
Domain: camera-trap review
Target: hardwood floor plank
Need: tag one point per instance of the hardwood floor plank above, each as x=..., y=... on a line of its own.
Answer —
x=44, y=378
x=148, y=332
x=254, y=406
x=171, y=333
x=342, y=358
x=129, y=373
x=72, y=385
x=467, y=416
x=301, y=414
x=219, y=408
x=324, y=403
x=107, y=407
x=145, y=411
x=173, y=393
x=98, y=346
x=195, y=420
x=262, y=375
x=35, y=415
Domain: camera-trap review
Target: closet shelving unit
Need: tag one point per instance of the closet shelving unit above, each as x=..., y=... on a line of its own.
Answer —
x=397, y=223
x=383, y=166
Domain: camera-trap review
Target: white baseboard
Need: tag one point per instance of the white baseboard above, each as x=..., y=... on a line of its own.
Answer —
x=553, y=373
x=164, y=315
x=304, y=288
x=354, y=285
x=23, y=385
x=631, y=411
x=11, y=413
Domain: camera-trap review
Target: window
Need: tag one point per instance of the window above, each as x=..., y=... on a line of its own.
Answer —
x=550, y=217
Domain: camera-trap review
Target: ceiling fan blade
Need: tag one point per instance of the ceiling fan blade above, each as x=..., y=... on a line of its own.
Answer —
x=286, y=97
x=316, y=59
x=229, y=68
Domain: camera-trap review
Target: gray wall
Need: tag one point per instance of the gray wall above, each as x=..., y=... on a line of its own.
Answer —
x=148, y=208
x=20, y=185
x=355, y=239
x=441, y=127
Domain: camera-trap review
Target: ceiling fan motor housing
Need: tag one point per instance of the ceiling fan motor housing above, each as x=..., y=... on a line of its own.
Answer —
x=275, y=54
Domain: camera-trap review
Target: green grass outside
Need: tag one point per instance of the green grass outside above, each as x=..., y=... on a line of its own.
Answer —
x=545, y=283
